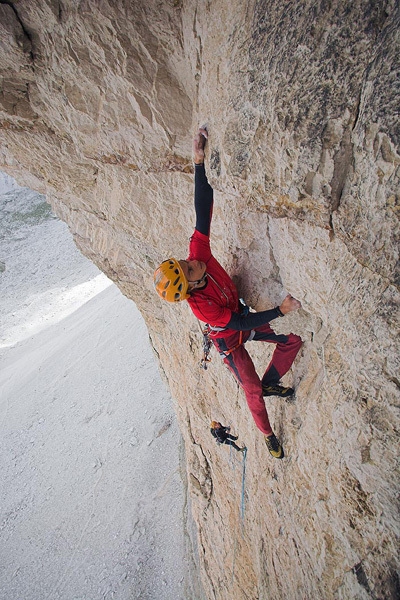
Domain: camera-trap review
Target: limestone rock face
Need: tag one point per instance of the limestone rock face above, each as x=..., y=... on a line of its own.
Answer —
x=99, y=102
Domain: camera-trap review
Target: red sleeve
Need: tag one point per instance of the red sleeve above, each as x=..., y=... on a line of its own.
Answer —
x=199, y=247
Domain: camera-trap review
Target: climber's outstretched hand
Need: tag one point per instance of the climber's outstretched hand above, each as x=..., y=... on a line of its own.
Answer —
x=199, y=143
x=289, y=304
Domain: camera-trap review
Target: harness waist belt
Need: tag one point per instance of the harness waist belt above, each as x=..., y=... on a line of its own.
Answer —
x=228, y=352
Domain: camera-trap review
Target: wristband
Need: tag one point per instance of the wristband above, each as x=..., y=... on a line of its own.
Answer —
x=280, y=313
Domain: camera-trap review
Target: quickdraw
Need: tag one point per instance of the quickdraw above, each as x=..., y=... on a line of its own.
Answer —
x=206, y=348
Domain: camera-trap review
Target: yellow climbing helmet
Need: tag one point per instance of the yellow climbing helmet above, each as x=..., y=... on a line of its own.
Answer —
x=170, y=281
x=215, y=425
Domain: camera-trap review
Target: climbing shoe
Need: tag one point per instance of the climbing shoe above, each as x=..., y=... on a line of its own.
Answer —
x=243, y=449
x=277, y=390
x=274, y=447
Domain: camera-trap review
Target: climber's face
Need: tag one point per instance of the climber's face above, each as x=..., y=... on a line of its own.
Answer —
x=193, y=269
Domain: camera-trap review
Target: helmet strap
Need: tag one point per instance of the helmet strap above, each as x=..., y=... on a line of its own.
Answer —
x=196, y=284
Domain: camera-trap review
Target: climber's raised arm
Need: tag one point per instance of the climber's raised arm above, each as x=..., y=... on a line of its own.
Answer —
x=203, y=192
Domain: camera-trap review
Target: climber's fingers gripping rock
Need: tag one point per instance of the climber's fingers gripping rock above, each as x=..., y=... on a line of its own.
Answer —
x=289, y=304
x=199, y=143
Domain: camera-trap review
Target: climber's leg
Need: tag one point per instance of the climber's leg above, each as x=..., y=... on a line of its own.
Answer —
x=287, y=347
x=240, y=364
x=231, y=443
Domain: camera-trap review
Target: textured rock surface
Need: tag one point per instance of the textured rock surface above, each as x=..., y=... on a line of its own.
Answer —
x=99, y=102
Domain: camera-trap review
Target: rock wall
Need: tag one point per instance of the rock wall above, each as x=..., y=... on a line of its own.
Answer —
x=99, y=101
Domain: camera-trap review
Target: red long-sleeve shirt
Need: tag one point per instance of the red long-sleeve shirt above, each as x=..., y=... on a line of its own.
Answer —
x=215, y=303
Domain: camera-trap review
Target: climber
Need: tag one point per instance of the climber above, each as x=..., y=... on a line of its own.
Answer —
x=223, y=436
x=213, y=298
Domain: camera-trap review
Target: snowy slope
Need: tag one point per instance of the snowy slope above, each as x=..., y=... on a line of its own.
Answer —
x=92, y=503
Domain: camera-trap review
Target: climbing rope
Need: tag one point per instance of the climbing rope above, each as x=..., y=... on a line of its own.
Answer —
x=234, y=460
x=234, y=559
x=242, y=498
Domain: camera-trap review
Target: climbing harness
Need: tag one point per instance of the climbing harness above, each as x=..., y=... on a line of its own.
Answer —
x=208, y=329
x=225, y=353
x=207, y=347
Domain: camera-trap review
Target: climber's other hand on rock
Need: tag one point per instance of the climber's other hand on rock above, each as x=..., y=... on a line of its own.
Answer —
x=289, y=305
